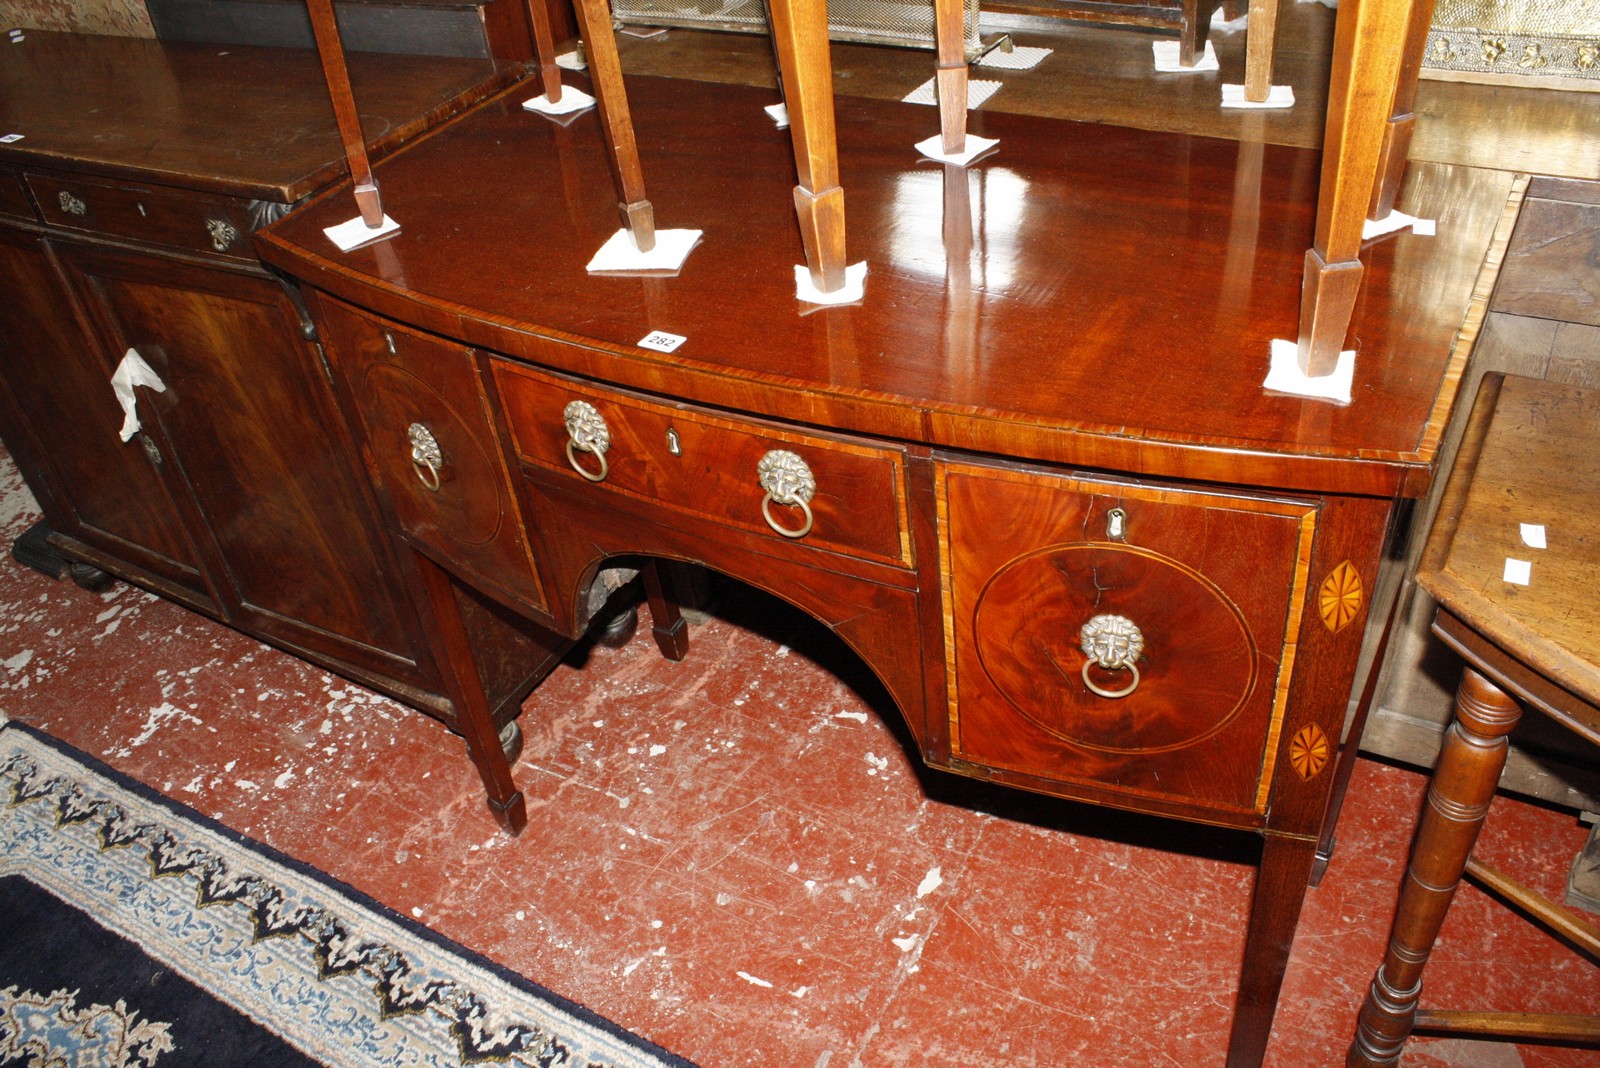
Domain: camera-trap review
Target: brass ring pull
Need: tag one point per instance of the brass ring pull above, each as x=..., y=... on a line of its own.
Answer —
x=598, y=476
x=789, y=532
x=426, y=457
x=1125, y=691
x=788, y=481
x=1111, y=643
x=587, y=432
x=430, y=479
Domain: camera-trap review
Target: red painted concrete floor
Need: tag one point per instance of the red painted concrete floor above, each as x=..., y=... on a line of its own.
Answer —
x=737, y=857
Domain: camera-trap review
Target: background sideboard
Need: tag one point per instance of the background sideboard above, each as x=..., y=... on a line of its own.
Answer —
x=126, y=213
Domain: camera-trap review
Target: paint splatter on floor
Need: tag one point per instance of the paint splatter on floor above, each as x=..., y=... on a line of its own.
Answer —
x=739, y=857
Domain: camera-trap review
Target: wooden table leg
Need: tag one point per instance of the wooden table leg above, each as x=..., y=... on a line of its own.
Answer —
x=1260, y=45
x=1192, y=33
x=949, y=27
x=1366, y=66
x=1459, y=793
x=544, y=50
x=325, y=29
x=452, y=649
x=1402, y=120
x=667, y=624
x=611, y=100
x=1280, y=890
x=800, y=33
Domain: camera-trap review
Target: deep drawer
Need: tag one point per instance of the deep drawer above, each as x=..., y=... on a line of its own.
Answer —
x=709, y=466
x=197, y=222
x=1197, y=598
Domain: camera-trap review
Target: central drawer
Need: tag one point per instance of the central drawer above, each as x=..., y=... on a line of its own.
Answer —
x=808, y=489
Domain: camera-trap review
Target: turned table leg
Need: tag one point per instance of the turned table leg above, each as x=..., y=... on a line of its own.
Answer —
x=1459, y=793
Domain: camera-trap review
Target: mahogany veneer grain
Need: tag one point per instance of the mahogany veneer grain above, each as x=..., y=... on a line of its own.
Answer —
x=1115, y=308
x=171, y=112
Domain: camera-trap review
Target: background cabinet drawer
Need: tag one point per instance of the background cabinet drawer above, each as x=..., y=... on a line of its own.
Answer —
x=199, y=222
x=1212, y=586
x=13, y=196
x=704, y=465
x=428, y=434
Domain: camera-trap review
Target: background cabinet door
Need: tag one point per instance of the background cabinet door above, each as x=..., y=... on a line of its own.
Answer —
x=61, y=420
x=286, y=516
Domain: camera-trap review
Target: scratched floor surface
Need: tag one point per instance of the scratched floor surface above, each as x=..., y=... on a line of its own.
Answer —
x=737, y=857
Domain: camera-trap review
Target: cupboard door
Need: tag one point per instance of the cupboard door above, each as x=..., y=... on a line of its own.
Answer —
x=1125, y=637
x=62, y=421
x=263, y=452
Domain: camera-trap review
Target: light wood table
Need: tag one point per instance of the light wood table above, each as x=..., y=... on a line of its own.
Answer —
x=1512, y=562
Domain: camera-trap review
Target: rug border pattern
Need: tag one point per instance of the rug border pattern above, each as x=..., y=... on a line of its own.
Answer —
x=465, y=1010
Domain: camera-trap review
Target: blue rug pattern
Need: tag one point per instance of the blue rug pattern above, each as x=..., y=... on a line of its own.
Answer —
x=135, y=933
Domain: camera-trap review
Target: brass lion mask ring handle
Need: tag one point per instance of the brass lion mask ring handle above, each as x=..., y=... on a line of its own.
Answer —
x=787, y=480
x=1111, y=643
x=587, y=432
x=426, y=457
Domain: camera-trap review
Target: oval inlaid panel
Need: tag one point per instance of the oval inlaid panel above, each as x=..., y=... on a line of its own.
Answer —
x=1198, y=668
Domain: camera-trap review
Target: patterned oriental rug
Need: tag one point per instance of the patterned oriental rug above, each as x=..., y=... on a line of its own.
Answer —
x=135, y=933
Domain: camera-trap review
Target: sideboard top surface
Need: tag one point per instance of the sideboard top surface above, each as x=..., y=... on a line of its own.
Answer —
x=231, y=119
x=1087, y=294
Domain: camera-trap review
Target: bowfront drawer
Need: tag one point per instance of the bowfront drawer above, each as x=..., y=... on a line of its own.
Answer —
x=430, y=437
x=197, y=222
x=821, y=491
x=1122, y=636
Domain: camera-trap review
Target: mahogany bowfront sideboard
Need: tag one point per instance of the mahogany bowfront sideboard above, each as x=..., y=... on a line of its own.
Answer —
x=1032, y=477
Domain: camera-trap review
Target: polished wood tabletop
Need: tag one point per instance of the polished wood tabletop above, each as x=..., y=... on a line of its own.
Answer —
x=1087, y=294
x=170, y=112
x=1515, y=555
